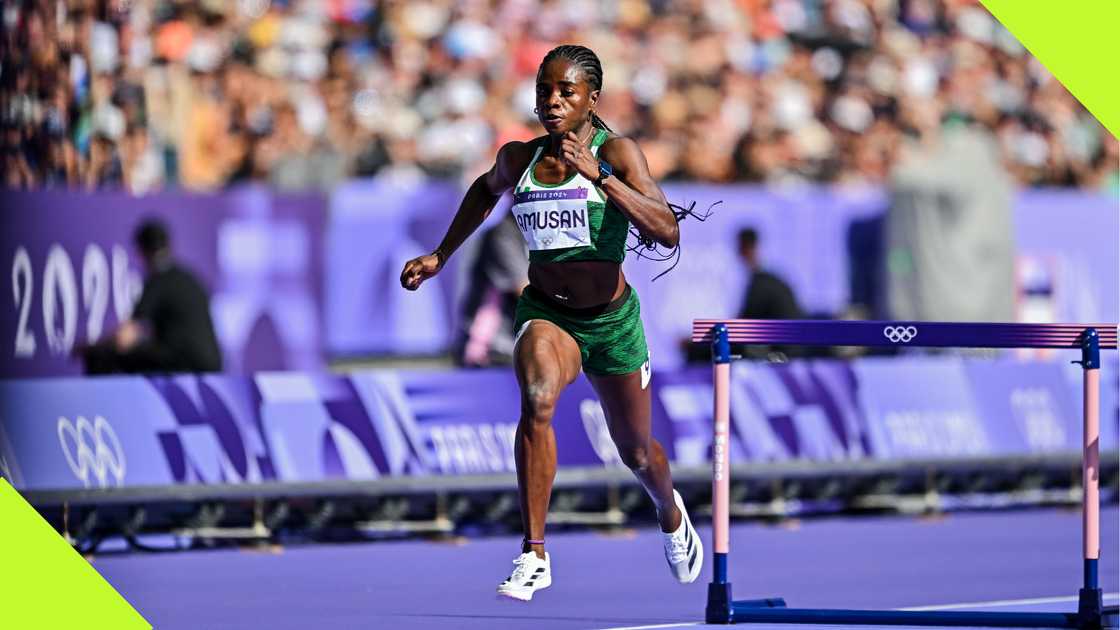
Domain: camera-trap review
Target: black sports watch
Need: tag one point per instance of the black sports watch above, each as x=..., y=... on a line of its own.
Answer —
x=605, y=171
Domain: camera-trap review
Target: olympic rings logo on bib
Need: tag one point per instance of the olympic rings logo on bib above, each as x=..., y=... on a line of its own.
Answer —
x=900, y=334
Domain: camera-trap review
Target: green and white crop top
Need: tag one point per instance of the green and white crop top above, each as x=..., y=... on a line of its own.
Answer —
x=571, y=220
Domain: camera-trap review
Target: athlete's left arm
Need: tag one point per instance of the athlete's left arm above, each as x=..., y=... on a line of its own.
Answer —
x=632, y=190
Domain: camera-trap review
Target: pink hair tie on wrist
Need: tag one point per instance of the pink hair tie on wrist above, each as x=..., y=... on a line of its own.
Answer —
x=534, y=542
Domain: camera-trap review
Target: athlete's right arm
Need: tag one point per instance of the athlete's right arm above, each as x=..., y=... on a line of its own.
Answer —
x=475, y=207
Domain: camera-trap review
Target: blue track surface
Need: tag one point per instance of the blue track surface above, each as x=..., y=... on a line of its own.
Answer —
x=620, y=581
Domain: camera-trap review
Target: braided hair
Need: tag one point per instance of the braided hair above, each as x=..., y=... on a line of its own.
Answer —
x=587, y=61
x=646, y=247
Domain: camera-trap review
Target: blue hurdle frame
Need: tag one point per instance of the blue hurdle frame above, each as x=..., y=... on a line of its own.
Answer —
x=1089, y=338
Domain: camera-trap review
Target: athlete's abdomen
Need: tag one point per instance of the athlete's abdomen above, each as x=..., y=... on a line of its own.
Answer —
x=578, y=283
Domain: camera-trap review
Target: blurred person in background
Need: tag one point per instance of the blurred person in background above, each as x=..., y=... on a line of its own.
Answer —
x=104, y=166
x=170, y=329
x=497, y=273
x=18, y=172
x=62, y=164
x=143, y=168
x=768, y=296
x=578, y=189
x=950, y=242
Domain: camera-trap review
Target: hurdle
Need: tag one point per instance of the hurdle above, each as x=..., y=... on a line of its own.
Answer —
x=721, y=333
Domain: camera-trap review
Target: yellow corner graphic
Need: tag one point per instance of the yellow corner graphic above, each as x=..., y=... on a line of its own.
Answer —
x=1077, y=43
x=44, y=583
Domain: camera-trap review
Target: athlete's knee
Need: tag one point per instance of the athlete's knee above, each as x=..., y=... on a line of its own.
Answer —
x=634, y=456
x=538, y=402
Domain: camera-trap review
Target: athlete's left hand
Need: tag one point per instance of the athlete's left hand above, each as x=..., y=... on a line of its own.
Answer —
x=579, y=156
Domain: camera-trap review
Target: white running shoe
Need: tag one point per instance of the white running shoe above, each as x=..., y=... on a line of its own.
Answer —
x=531, y=575
x=683, y=549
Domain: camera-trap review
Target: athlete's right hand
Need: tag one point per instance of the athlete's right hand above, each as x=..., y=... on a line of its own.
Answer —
x=419, y=269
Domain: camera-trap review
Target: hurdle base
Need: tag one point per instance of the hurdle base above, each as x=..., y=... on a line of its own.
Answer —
x=721, y=609
x=904, y=617
x=718, y=609
x=1090, y=608
x=1110, y=618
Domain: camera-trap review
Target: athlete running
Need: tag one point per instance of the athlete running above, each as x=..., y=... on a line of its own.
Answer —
x=576, y=192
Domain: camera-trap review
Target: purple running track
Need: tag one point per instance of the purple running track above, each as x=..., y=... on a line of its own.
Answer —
x=620, y=580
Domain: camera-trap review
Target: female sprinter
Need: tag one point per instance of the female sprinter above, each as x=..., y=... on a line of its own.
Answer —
x=576, y=191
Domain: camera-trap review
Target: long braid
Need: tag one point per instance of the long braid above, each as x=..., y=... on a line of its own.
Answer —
x=647, y=248
x=587, y=61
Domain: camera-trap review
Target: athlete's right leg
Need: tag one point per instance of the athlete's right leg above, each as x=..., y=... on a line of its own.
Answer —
x=546, y=359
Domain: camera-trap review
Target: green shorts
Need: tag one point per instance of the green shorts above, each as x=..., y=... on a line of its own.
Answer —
x=610, y=338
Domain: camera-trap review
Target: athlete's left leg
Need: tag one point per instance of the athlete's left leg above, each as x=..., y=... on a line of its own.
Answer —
x=626, y=404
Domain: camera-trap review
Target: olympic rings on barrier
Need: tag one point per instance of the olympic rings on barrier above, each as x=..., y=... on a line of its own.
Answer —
x=900, y=334
x=92, y=448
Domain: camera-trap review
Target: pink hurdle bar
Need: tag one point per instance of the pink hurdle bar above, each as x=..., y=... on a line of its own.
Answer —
x=1092, y=465
x=1090, y=338
x=721, y=471
x=1090, y=471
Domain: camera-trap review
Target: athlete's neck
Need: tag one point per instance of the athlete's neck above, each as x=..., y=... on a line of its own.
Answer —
x=585, y=132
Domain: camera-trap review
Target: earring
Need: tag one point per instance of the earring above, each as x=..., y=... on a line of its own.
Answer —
x=536, y=110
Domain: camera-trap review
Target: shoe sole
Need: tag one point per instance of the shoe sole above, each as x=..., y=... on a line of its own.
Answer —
x=517, y=597
x=521, y=595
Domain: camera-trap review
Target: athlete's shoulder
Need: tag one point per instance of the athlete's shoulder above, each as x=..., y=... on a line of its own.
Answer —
x=620, y=148
x=518, y=151
x=619, y=142
x=512, y=160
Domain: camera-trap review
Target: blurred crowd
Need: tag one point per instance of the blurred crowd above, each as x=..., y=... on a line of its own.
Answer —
x=304, y=94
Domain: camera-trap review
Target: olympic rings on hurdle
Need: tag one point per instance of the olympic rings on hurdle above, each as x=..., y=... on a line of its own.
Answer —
x=900, y=334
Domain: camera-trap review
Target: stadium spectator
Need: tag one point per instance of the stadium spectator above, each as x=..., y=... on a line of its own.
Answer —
x=772, y=91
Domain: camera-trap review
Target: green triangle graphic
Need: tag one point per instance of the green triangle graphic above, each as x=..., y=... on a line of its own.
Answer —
x=1077, y=42
x=44, y=583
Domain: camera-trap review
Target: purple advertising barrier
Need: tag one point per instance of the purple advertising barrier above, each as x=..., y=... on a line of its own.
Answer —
x=375, y=227
x=805, y=410
x=1066, y=273
x=927, y=410
x=109, y=432
x=74, y=274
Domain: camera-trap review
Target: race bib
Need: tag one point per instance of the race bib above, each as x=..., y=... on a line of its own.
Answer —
x=553, y=219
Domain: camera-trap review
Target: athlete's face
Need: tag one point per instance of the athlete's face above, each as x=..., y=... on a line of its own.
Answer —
x=564, y=97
